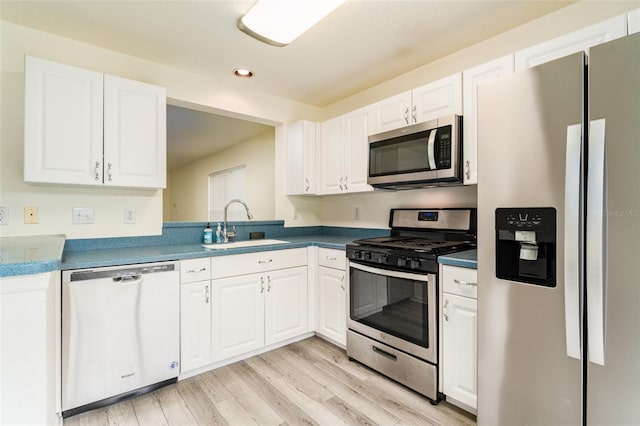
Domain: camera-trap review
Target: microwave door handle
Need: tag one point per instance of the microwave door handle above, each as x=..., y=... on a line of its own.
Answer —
x=431, y=149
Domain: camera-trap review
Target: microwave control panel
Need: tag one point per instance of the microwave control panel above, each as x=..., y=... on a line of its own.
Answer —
x=443, y=147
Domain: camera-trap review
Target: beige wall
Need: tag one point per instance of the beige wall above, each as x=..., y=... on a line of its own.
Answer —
x=188, y=197
x=183, y=88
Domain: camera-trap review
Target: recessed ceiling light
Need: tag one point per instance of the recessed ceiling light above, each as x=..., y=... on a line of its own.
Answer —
x=243, y=72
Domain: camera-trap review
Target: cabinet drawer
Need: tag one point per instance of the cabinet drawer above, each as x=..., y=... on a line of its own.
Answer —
x=332, y=258
x=460, y=281
x=249, y=263
x=193, y=270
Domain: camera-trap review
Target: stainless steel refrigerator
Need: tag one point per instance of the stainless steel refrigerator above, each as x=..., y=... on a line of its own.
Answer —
x=559, y=242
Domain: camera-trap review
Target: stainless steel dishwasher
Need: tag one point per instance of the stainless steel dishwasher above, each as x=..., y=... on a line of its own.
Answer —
x=120, y=333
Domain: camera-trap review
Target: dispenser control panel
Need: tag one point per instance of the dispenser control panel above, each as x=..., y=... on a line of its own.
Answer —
x=526, y=245
x=529, y=219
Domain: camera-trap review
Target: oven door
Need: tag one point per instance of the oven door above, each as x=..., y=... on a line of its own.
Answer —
x=395, y=308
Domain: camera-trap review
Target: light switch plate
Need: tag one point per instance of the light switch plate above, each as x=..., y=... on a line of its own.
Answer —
x=129, y=216
x=82, y=215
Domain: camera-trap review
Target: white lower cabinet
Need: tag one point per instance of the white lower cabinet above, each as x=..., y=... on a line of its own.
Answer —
x=29, y=311
x=234, y=305
x=332, y=296
x=252, y=311
x=459, y=336
x=195, y=324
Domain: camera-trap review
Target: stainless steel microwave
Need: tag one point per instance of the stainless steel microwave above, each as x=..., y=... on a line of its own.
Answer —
x=420, y=155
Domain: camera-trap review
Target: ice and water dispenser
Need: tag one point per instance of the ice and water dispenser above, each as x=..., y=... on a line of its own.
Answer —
x=526, y=245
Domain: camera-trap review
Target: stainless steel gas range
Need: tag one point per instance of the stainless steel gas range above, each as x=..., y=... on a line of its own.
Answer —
x=393, y=297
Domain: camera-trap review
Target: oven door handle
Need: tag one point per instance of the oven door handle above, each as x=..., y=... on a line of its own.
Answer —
x=392, y=273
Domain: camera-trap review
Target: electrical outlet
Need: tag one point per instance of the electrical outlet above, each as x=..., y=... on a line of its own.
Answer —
x=129, y=216
x=356, y=213
x=4, y=215
x=296, y=213
x=82, y=215
x=31, y=215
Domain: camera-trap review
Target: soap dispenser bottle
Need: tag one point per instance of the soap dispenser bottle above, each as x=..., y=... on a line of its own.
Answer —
x=219, y=237
x=208, y=235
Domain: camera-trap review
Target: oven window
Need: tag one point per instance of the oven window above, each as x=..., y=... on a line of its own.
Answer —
x=397, y=306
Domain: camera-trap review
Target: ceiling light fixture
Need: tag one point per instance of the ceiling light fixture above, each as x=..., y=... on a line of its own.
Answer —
x=279, y=22
x=243, y=72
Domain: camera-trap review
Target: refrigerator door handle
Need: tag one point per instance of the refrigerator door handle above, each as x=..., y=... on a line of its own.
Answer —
x=572, y=225
x=596, y=231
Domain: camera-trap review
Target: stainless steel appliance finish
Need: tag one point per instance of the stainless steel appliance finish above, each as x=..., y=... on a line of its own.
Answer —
x=420, y=155
x=392, y=297
x=120, y=333
x=566, y=354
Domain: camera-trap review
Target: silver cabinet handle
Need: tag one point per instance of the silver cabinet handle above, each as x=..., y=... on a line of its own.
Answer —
x=97, y=170
x=331, y=258
x=206, y=294
x=265, y=262
x=596, y=280
x=415, y=114
x=193, y=271
x=346, y=179
x=572, y=246
x=467, y=169
x=268, y=283
x=308, y=185
x=467, y=283
x=109, y=171
x=341, y=188
x=445, y=312
x=261, y=284
x=342, y=283
x=406, y=115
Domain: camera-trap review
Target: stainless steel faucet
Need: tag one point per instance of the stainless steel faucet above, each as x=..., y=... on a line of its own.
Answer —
x=226, y=234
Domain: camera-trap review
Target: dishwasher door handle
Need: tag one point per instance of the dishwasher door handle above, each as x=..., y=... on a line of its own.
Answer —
x=127, y=279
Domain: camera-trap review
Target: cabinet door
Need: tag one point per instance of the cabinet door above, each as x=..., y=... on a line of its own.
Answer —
x=571, y=43
x=356, y=140
x=301, y=158
x=470, y=81
x=26, y=331
x=332, y=156
x=237, y=322
x=134, y=134
x=391, y=113
x=195, y=325
x=332, y=304
x=437, y=99
x=62, y=124
x=286, y=304
x=460, y=349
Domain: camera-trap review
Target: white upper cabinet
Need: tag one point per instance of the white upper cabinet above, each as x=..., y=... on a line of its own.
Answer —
x=576, y=41
x=633, y=21
x=436, y=99
x=392, y=113
x=86, y=128
x=471, y=79
x=344, y=153
x=62, y=124
x=302, y=178
x=135, y=153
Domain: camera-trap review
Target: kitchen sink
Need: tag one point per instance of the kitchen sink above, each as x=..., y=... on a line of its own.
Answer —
x=239, y=244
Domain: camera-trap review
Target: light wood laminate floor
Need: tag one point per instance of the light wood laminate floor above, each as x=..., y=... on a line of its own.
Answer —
x=306, y=383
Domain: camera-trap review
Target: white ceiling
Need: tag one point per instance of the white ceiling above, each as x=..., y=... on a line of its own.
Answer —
x=362, y=44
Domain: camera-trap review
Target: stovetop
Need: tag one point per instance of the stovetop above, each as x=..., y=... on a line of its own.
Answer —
x=418, y=237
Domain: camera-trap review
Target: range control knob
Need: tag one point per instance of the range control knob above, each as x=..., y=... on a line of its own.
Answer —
x=402, y=261
x=366, y=255
x=414, y=264
x=384, y=259
x=357, y=254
